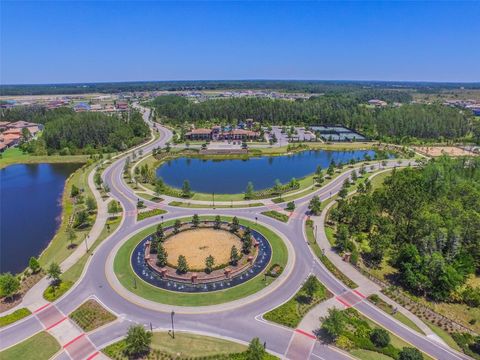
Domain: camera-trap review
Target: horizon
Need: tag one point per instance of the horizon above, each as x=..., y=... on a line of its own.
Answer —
x=347, y=81
x=241, y=41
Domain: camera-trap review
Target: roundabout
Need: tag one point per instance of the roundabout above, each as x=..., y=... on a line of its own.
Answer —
x=137, y=271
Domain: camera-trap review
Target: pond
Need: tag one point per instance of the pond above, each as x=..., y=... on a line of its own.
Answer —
x=31, y=207
x=232, y=176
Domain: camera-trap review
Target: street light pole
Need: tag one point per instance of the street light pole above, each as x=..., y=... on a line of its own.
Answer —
x=86, y=244
x=173, y=328
x=213, y=199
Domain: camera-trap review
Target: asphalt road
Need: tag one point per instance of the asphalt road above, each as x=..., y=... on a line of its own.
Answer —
x=243, y=322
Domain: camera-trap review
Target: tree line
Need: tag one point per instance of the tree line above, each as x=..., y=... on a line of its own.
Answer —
x=390, y=123
x=67, y=132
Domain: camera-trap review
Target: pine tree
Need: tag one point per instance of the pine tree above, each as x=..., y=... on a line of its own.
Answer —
x=209, y=264
x=161, y=255
x=234, y=255
x=195, y=220
x=235, y=225
x=182, y=265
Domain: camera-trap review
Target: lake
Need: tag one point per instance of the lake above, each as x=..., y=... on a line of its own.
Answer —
x=30, y=213
x=232, y=176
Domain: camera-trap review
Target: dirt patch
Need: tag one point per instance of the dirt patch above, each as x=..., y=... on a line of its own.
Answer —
x=443, y=150
x=197, y=244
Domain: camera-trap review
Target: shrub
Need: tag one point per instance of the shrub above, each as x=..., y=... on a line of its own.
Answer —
x=9, y=285
x=344, y=343
x=380, y=337
x=138, y=341
x=408, y=353
x=471, y=296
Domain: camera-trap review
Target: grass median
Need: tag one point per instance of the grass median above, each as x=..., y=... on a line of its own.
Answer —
x=41, y=346
x=292, y=312
x=125, y=274
x=13, y=317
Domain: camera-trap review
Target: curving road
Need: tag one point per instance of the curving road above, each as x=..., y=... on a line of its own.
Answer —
x=240, y=320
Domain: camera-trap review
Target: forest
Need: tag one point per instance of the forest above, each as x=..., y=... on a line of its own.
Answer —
x=393, y=123
x=425, y=222
x=67, y=132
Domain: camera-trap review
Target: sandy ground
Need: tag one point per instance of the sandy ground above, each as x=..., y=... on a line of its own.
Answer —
x=441, y=150
x=197, y=244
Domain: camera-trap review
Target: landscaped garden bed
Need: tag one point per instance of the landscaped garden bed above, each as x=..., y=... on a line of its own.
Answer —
x=292, y=312
x=91, y=315
x=276, y=215
x=351, y=331
x=149, y=213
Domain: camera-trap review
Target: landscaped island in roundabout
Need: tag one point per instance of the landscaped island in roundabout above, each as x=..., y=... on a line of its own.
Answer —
x=200, y=261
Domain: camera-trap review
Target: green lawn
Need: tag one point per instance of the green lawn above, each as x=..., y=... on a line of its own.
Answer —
x=15, y=316
x=128, y=278
x=201, y=206
x=369, y=355
x=91, y=315
x=41, y=346
x=16, y=156
x=292, y=312
x=186, y=346
x=445, y=336
x=276, y=215
x=377, y=180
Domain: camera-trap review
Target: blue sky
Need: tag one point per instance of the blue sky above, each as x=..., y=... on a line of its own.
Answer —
x=65, y=41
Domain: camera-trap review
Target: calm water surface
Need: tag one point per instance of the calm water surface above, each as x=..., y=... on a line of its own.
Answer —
x=30, y=210
x=232, y=176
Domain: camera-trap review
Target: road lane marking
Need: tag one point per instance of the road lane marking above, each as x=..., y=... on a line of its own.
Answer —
x=311, y=336
x=41, y=308
x=73, y=340
x=339, y=299
x=58, y=322
x=93, y=355
x=359, y=294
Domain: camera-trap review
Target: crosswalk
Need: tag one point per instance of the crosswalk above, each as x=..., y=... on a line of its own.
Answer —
x=76, y=343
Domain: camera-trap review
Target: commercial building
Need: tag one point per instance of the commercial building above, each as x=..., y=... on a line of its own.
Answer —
x=218, y=134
